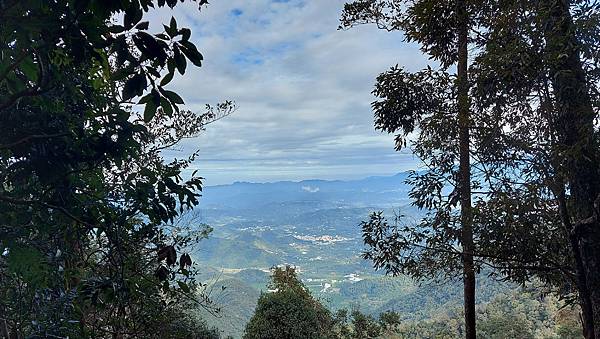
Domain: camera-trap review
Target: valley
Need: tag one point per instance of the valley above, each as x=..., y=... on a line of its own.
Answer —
x=313, y=226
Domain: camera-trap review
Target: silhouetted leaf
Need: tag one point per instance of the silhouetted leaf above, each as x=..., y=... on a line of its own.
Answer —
x=192, y=53
x=134, y=86
x=142, y=25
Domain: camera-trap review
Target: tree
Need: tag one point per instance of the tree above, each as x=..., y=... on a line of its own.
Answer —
x=85, y=192
x=524, y=74
x=358, y=325
x=442, y=29
x=539, y=67
x=289, y=311
x=578, y=147
x=464, y=169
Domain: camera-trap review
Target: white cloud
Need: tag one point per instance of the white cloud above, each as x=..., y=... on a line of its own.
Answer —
x=302, y=87
x=310, y=189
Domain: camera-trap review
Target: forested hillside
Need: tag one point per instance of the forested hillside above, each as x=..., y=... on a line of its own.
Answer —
x=113, y=121
x=320, y=235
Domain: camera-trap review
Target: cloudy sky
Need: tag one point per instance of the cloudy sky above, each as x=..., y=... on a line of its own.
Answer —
x=302, y=88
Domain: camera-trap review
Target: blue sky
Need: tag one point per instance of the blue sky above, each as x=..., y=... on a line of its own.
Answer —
x=302, y=88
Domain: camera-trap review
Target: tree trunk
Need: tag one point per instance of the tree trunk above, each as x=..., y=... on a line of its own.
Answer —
x=464, y=172
x=578, y=149
x=587, y=313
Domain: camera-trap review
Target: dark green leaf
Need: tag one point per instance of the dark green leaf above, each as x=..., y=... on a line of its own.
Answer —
x=133, y=15
x=174, y=97
x=166, y=106
x=184, y=287
x=142, y=25
x=116, y=29
x=173, y=24
x=180, y=61
x=185, y=34
x=167, y=79
x=134, y=86
x=192, y=53
x=29, y=68
x=149, y=111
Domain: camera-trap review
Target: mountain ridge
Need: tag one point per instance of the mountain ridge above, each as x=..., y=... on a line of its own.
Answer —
x=406, y=173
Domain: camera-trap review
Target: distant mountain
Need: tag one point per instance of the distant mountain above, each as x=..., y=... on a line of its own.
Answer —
x=313, y=224
x=380, y=191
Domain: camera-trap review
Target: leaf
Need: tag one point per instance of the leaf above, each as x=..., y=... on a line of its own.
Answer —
x=121, y=48
x=173, y=24
x=184, y=287
x=149, y=111
x=155, y=97
x=166, y=106
x=174, y=97
x=184, y=261
x=192, y=53
x=142, y=25
x=185, y=34
x=169, y=253
x=149, y=46
x=153, y=71
x=167, y=78
x=180, y=61
x=162, y=273
x=171, y=65
x=29, y=68
x=145, y=99
x=115, y=29
x=172, y=28
x=121, y=74
x=172, y=257
x=133, y=15
x=134, y=86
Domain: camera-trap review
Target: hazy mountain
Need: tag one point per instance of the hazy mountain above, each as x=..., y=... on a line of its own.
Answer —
x=372, y=191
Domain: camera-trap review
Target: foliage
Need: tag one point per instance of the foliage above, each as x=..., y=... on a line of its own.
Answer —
x=517, y=314
x=85, y=191
x=436, y=106
x=288, y=311
x=358, y=325
x=522, y=192
x=543, y=76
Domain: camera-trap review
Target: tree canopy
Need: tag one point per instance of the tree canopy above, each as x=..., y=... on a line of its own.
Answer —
x=288, y=311
x=534, y=174
x=88, y=202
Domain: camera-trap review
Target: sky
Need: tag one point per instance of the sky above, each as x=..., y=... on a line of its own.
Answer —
x=302, y=88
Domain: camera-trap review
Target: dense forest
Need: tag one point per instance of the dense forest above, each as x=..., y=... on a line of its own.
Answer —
x=98, y=236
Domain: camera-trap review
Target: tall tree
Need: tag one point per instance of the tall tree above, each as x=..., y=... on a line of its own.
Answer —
x=534, y=85
x=464, y=170
x=579, y=149
x=442, y=29
x=539, y=67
